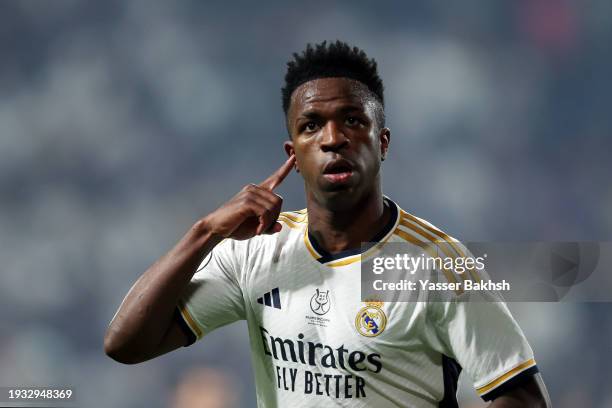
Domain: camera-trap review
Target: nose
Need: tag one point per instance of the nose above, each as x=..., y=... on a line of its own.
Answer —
x=332, y=138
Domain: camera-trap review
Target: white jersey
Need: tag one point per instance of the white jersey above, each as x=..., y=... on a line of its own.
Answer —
x=315, y=343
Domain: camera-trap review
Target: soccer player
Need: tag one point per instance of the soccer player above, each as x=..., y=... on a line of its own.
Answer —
x=295, y=276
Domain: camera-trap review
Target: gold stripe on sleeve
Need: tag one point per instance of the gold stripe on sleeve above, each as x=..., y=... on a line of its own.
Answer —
x=433, y=239
x=190, y=320
x=447, y=238
x=294, y=218
x=502, y=378
x=287, y=221
x=449, y=275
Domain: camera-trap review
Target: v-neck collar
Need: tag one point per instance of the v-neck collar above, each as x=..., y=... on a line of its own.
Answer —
x=351, y=255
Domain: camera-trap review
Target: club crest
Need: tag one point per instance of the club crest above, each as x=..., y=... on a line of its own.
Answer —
x=371, y=319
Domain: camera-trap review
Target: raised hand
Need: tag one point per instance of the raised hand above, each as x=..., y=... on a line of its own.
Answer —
x=253, y=211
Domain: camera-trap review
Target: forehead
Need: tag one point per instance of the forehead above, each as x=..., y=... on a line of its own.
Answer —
x=326, y=93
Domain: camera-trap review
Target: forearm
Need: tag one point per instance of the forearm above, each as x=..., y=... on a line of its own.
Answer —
x=146, y=312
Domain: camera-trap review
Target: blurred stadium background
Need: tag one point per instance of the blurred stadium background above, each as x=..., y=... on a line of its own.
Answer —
x=121, y=123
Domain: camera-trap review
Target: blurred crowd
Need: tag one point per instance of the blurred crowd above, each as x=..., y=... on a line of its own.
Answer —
x=122, y=123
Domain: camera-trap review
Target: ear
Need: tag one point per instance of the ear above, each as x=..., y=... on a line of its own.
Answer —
x=288, y=145
x=385, y=138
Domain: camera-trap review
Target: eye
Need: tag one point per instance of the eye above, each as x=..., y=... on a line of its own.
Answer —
x=352, y=121
x=310, y=127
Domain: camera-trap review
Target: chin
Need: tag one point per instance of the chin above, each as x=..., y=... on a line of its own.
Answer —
x=340, y=198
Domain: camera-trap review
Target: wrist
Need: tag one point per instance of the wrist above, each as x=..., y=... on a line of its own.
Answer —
x=204, y=233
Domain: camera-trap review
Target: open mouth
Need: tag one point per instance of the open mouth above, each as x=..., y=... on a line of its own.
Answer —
x=338, y=171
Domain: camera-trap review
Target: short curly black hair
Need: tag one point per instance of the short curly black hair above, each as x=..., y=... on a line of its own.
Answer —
x=336, y=59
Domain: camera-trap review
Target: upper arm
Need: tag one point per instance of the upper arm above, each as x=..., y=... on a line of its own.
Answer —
x=487, y=343
x=177, y=336
x=214, y=297
x=531, y=392
x=477, y=330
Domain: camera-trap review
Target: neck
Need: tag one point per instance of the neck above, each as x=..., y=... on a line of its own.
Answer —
x=337, y=230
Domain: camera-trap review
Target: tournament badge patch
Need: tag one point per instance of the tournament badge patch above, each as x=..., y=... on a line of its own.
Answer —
x=320, y=304
x=371, y=319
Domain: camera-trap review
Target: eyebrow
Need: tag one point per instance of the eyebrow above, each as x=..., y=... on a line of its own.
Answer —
x=314, y=113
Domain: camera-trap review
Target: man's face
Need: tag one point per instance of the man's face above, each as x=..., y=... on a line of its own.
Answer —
x=336, y=140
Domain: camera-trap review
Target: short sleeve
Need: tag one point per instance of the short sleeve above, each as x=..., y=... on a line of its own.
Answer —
x=486, y=341
x=213, y=297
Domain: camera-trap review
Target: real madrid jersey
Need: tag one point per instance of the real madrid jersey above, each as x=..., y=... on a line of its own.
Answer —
x=315, y=343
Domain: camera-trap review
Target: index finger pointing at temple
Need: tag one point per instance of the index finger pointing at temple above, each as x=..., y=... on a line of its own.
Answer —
x=279, y=175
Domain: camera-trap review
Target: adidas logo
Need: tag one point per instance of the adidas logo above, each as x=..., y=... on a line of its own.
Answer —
x=271, y=298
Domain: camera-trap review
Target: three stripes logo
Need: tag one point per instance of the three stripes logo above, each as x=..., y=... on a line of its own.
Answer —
x=271, y=298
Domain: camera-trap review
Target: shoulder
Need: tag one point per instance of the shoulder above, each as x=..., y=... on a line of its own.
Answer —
x=296, y=220
x=419, y=231
x=293, y=224
x=436, y=244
